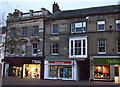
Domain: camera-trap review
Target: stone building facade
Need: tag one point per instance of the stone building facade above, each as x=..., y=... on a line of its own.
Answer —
x=24, y=55
x=2, y=41
x=83, y=44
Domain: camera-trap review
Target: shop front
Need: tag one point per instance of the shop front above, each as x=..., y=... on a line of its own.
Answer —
x=24, y=67
x=60, y=69
x=105, y=68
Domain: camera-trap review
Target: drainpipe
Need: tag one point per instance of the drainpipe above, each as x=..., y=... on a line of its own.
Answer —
x=43, y=44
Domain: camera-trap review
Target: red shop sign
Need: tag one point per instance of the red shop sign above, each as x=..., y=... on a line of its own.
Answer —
x=60, y=62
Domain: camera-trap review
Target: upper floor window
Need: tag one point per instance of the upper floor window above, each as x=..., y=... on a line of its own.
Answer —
x=24, y=31
x=35, y=30
x=13, y=32
x=101, y=25
x=55, y=29
x=117, y=24
x=54, y=48
x=78, y=27
x=34, y=48
x=101, y=47
x=78, y=47
x=118, y=46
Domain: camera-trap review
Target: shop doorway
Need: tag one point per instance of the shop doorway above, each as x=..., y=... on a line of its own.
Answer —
x=116, y=73
x=32, y=70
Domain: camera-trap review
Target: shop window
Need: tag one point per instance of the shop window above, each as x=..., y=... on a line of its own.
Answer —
x=78, y=27
x=117, y=24
x=35, y=30
x=31, y=70
x=55, y=29
x=101, y=25
x=34, y=48
x=60, y=71
x=53, y=71
x=16, y=71
x=118, y=46
x=101, y=47
x=66, y=72
x=24, y=31
x=101, y=72
x=77, y=47
x=54, y=48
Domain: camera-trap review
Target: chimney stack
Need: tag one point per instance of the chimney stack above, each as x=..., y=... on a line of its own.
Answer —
x=55, y=7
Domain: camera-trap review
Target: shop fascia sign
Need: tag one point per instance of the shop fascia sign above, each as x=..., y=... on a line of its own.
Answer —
x=113, y=61
x=36, y=61
x=60, y=62
x=106, y=61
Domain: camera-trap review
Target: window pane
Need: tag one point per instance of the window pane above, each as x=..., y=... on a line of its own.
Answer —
x=35, y=30
x=101, y=46
x=118, y=26
x=101, y=25
x=24, y=33
x=83, y=47
x=35, y=49
x=78, y=47
x=54, y=48
x=71, y=47
x=55, y=29
x=72, y=28
x=78, y=27
x=101, y=72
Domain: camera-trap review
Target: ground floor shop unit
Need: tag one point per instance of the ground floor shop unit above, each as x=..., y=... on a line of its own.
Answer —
x=26, y=67
x=64, y=69
x=106, y=68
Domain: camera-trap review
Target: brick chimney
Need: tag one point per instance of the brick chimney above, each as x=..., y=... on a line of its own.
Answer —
x=55, y=7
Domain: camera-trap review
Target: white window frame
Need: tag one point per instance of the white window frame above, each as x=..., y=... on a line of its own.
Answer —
x=52, y=49
x=100, y=22
x=117, y=47
x=73, y=26
x=117, y=21
x=33, y=49
x=98, y=47
x=52, y=29
x=74, y=39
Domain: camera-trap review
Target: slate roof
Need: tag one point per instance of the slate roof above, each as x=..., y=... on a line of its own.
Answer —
x=85, y=12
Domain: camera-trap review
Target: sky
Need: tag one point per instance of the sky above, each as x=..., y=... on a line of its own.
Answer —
x=8, y=6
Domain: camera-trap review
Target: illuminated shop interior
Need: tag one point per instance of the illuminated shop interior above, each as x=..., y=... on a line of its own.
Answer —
x=60, y=71
x=101, y=71
x=17, y=71
x=32, y=70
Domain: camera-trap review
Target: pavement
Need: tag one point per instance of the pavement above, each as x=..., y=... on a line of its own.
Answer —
x=14, y=81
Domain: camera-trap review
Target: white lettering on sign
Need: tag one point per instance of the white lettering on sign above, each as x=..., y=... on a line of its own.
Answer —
x=59, y=62
x=36, y=61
